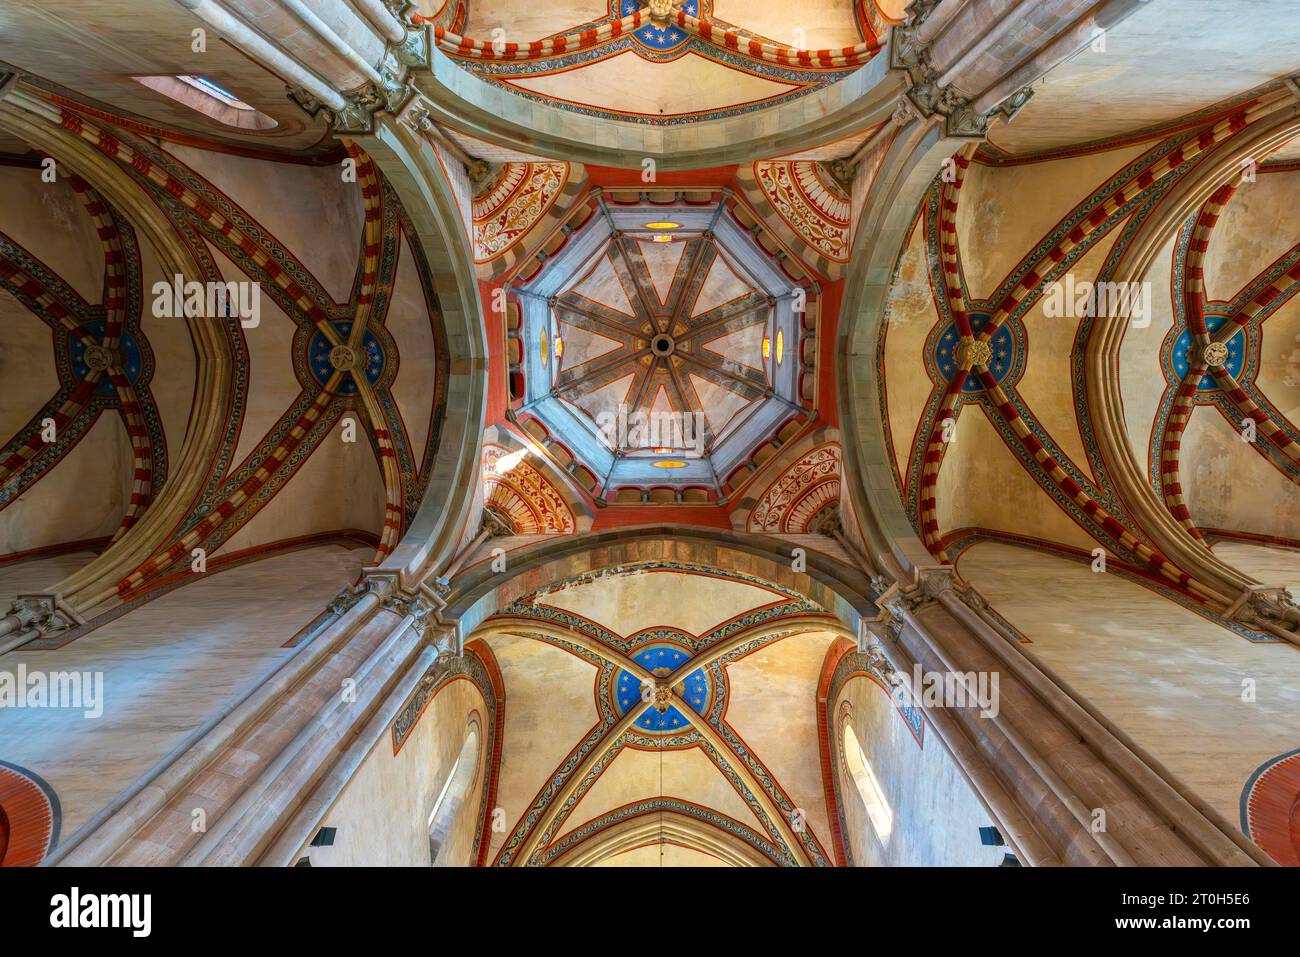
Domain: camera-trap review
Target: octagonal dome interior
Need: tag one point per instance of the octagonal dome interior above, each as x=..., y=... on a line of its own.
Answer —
x=661, y=344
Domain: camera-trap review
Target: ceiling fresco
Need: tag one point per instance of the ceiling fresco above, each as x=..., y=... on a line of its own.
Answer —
x=662, y=62
x=1001, y=309
x=662, y=734
x=648, y=367
x=661, y=343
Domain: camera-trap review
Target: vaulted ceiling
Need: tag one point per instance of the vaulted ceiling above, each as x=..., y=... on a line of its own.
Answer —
x=660, y=343
x=344, y=333
x=987, y=403
x=666, y=712
x=667, y=702
x=608, y=58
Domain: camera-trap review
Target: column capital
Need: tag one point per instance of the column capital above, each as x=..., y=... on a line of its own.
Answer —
x=930, y=585
x=390, y=94
x=45, y=612
x=417, y=605
x=911, y=55
x=494, y=524
x=1270, y=609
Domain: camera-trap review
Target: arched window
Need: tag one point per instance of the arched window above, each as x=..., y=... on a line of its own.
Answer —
x=459, y=781
x=869, y=789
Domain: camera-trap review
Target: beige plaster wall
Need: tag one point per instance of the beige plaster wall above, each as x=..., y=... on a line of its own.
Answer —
x=1002, y=212
x=936, y=815
x=84, y=496
x=167, y=667
x=383, y=812
x=1228, y=484
x=309, y=209
x=1171, y=679
x=910, y=313
x=37, y=574
x=1268, y=565
x=1260, y=223
x=627, y=83
x=539, y=733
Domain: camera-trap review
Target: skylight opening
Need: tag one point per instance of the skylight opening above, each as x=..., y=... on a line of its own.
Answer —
x=211, y=99
x=212, y=89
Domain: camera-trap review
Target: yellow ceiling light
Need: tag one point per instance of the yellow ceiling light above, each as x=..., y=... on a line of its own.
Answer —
x=767, y=347
x=669, y=464
x=546, y=353
x=780, y=345
x=662, y=238
x=663, y=225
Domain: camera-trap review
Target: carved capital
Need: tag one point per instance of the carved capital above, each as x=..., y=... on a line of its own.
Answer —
x=413, y=50
x=378, y=581
x=1270, y=609
x=402, y=9
x=445, y=639
x=345, y=600
x=937, y=579
x=479, y=170
x=45, y=612
x=907, y=53
x=827, y=522
x=371, y=583
x=930, y=99
x=906, y=603
x=930, y=584
x=392, y=93
x=1013, y=104
x=903, y=114
x=495, y=524
x=918, y=10
x=843, y=170
x=416, y=605
x=879, y=664
x=417, y=117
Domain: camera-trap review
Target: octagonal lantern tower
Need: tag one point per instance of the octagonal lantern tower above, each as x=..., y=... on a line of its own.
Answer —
x=661, y=345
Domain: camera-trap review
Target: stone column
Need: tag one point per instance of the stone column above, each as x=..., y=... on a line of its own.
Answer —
x=231, y=794
x=1064, y=785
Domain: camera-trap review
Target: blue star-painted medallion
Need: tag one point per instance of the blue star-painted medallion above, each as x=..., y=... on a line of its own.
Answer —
x=128, y=352
x=654, y=36
x=1177, y=358
x=696, y=688
x=1001, y=363
x=318, y=357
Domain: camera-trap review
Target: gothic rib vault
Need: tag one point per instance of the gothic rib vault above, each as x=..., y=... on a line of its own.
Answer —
x=625, y=398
